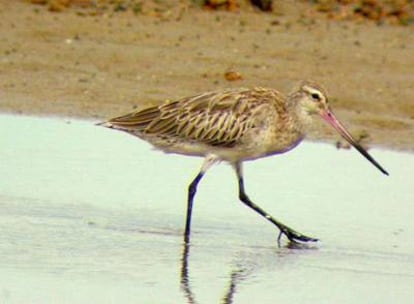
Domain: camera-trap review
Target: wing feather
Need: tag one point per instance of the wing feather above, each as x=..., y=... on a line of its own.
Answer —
x=215, y=118
x=137, y=120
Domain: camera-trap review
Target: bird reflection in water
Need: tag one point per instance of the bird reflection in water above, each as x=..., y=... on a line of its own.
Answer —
x=236, y=276
x=239, y=273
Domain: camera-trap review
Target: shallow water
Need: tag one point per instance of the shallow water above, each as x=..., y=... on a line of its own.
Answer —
x=92, y=215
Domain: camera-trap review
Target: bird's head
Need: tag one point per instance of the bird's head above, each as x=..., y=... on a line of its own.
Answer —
x=310, y=99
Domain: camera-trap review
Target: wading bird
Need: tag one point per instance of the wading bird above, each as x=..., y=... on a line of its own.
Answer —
x=234, y=125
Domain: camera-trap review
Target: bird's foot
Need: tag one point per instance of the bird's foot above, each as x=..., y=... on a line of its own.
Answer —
x=294, y=236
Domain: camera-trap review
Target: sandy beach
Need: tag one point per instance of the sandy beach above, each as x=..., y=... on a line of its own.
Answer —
x=77, y=64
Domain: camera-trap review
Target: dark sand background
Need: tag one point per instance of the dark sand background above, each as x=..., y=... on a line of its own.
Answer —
x=97, y=64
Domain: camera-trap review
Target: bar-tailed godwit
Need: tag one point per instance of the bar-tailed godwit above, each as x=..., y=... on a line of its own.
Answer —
x=235, y=125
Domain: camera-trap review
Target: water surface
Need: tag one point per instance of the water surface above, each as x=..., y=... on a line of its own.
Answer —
x=91, y=215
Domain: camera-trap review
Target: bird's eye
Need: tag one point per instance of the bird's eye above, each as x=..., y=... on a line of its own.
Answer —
x=316, y=96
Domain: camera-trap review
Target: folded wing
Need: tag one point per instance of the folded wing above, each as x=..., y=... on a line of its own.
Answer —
x=214, y=118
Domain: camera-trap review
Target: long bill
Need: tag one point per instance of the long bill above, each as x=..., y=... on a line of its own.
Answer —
x=329, y=117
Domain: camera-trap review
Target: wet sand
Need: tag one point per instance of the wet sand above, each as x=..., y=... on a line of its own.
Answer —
x=77, y=65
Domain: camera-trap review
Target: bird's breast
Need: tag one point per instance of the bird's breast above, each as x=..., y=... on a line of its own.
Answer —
x=268, y=139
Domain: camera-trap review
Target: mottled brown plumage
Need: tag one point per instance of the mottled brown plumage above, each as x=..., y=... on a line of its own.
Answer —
x=234, y=125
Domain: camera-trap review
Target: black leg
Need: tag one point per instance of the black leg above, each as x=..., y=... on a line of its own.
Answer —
x=291, y=234
x=192, y=189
